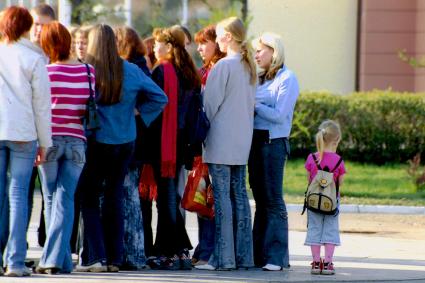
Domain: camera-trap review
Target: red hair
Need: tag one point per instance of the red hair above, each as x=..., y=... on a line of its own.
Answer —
x=14, y=22
x=208, y=34
x=55, y=40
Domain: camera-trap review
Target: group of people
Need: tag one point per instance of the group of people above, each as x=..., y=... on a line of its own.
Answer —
x=91, y=177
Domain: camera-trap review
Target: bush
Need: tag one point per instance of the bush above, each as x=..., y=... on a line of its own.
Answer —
x=377, y=127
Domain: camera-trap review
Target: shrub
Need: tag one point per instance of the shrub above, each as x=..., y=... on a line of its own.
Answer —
x=378, y=127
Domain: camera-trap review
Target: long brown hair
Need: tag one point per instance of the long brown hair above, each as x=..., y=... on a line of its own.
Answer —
x=129, y=44
x=103, y=55
x=237, y=30
x=208, y=34
x=178, y=55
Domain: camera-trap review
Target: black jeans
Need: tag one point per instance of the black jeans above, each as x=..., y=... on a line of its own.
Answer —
x=103, y=228
x=266, y=169
x=171, y=234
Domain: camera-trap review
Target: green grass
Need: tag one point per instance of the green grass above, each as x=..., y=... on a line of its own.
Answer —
x=363, y=184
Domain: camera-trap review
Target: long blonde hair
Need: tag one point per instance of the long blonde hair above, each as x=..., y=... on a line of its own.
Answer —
x=329, y=131
x=103, y=55
x=236, y=28
x=274, y=41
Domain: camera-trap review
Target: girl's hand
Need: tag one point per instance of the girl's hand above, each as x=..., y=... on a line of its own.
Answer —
x=41, y=156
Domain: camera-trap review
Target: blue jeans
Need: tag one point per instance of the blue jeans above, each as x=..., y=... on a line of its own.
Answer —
x=17, y=158
x=270, y=233
x=103, y=225
x=59, y=176
x=233, y=235
x=206, y=235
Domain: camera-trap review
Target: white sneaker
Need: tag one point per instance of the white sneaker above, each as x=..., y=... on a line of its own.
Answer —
x=96, y=267
x=205, y=267
x=17, y=272
x=272, y=267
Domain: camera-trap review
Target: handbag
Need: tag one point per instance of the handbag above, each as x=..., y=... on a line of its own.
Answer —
x=198, y=194
x=91, y=119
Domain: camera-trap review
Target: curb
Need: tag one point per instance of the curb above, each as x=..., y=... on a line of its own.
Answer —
x=360, y=208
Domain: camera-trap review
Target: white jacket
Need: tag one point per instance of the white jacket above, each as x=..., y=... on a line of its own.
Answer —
x=25, y=99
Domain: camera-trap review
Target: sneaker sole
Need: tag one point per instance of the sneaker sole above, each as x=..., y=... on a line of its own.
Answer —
x=328, y=272
x=93, y=269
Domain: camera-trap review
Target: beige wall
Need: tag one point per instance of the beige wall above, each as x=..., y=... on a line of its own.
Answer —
x=319, y=38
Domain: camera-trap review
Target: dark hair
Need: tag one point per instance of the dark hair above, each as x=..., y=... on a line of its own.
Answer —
x=102, y=54
x=14, y=22
x=208, y=34
x=44, y=10
x=128, y=43
x=186, y=32
x=149, y=43
x=55, y=41
x=178, y=56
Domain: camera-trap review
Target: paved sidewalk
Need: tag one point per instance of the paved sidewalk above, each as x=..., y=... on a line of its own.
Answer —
x=361, y=258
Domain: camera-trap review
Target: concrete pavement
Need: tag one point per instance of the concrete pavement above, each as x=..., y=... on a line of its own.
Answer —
x=361, y=258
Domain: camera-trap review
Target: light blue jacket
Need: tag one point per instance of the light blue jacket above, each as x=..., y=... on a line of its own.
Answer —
x=275, y=102
x=117, y=122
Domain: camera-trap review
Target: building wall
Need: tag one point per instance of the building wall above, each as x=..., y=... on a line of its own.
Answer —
x=388, y=26
x=319, y=37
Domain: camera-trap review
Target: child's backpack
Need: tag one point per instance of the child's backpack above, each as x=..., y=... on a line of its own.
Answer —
x=321, y=195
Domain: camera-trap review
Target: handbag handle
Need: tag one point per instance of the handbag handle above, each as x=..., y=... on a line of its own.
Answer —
x=89, y=78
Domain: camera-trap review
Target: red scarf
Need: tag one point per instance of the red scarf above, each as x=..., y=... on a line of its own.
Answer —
x=169, y=123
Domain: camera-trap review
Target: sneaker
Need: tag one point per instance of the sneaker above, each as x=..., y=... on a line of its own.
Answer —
x=328, y=268
x=185, y=261
x=153, y=262
x=46, y=270
x=272, y=267
x=17, y=272
x=205, y=267
x=113, y=268
x=96, y=267
x=200, y=262
x=316, y=267
x=170, y=263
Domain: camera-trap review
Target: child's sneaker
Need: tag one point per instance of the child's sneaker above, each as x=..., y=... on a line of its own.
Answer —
x=328, y=268
x=316, y=267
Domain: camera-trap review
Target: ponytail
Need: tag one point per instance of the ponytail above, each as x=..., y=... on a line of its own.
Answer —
x=237, y=29
x=247, y=57
x=329, y=131
x=320, y=144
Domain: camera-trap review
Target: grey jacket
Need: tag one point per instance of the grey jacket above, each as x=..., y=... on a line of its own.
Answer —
x=229, y=101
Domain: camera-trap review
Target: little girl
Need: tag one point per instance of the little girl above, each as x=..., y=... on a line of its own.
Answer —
x=324, y=229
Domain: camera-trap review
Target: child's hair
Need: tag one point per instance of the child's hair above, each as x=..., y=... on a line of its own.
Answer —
x=329, y=131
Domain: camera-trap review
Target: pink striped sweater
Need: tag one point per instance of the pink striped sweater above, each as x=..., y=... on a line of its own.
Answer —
x=70, y=91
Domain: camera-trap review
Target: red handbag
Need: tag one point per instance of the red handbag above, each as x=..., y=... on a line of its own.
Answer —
x=198, y=194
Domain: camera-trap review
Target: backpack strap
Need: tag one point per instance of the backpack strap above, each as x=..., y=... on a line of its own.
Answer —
x=316, y=162
x=337, y=164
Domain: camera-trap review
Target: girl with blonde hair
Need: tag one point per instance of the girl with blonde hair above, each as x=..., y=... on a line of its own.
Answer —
x=229, y=99
x=322, y=229
x=276, y=95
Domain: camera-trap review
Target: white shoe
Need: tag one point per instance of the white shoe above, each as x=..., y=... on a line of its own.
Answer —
x=96, y=267
x=205, y=267
x=17, y=272
x=272, y=267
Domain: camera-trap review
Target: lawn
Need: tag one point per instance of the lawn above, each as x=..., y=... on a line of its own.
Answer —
x=363, y=184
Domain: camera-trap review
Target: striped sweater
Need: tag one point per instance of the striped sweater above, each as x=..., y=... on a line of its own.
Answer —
x=70, y=91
